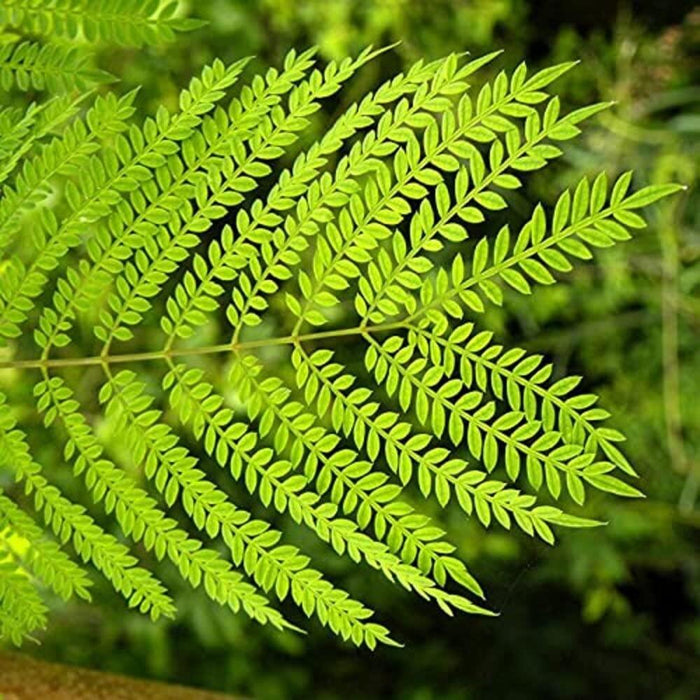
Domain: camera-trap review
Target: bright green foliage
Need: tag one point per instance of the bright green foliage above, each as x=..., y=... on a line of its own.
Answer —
x=124, y=22
x=362, y=218
x=32, y=66
x=62, y=63
x=14, y=129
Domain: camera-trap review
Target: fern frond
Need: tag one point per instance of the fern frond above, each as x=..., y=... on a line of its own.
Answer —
x=388, y=283
x=519, y=379
x=138, y=515
x=317, y=195
x=122, y=168
x=46, y=119
x=22, y=610
x=348, y=479
x=52, y=67
x=228, y=181
x=352, y=226
x=235, y=446
x=210, y=162
x=71, y=521
x=412, y=456
x=253, y=542
x=578, y=224
x=124, y=22
x=468, y=415
x=66, y=155
x=365, y=221
x=44, y=559
x=304, y=101
x=15, y=127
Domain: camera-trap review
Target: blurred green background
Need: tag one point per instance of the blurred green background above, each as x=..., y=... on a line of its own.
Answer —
x=608, y=613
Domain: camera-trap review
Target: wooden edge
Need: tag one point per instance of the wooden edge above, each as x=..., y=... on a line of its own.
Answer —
x=25, y=678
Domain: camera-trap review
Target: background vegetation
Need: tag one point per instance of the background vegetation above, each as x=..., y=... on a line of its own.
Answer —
x=612, y=612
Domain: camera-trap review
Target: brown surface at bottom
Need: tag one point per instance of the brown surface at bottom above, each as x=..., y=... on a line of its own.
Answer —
x=25, y=678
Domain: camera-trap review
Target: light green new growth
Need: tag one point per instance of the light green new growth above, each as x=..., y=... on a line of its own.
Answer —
x=360, y=219
x=67, y=64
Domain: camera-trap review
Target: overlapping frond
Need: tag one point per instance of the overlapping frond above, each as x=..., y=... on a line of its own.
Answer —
x=346, y=477
x=125, y=22
x=15, y=127
x=347, y=446
x=42, y=557
x=122, y=168
x=22, y=611
x=29, y=65
x=64, y=155
x=253, y=543
x=70, y=521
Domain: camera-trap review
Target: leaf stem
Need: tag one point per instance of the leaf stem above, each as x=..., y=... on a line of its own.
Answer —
x=165, y=353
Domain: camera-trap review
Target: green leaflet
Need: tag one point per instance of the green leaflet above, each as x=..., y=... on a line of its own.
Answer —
x=440, y=410
x=123, y=22
x=32, y=66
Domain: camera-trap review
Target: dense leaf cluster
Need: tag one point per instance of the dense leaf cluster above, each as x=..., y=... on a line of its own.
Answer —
x=44, y=46
x=116, y=211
